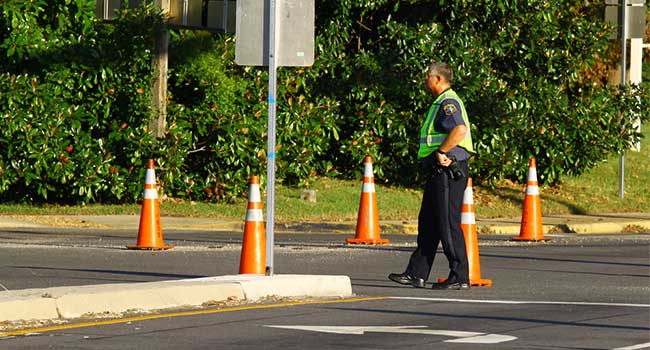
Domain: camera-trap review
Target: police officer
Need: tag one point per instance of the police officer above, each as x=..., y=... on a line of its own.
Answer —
x=445, y=147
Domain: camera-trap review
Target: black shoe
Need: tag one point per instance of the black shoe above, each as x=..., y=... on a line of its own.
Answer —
x=403, y=278
x=450, y=286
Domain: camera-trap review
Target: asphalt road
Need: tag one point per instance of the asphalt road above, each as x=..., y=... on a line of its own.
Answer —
x=575, y=292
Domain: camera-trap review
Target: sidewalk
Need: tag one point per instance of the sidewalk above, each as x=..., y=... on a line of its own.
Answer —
x=577, y=224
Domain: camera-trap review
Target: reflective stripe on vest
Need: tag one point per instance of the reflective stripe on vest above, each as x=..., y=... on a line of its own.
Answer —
x=430, y=139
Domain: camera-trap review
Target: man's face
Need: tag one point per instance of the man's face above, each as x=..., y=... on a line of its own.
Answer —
x=431, y=81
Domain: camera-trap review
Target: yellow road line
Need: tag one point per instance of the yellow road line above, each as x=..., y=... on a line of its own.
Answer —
x=181, y=314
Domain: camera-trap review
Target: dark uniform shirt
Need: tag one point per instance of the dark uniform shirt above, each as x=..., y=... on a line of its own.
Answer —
x=449, y=116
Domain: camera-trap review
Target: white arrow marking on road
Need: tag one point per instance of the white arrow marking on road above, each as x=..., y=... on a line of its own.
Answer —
x=464, y=337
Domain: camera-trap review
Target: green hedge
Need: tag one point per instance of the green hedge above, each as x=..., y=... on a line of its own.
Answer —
x=73, y=94
x=75, y=98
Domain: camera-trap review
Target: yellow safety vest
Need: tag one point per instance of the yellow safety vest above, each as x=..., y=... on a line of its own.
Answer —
x=430, y=139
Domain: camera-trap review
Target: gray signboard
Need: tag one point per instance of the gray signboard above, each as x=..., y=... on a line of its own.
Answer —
x=294, y=26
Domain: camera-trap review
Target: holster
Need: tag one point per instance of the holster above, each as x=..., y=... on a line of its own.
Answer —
x=429, y=166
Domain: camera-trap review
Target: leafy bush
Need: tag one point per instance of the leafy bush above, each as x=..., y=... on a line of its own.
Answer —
x=221, y=110
x=533, y=86
x=528, y=72
x=75, y=97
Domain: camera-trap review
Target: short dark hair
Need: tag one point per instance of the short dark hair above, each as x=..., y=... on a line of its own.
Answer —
x=441, y=69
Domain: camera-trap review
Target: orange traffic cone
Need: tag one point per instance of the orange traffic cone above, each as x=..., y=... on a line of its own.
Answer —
x=253, y=251
x=531, y=219
x=150, y=235
x=368, y=221
x=468, y=224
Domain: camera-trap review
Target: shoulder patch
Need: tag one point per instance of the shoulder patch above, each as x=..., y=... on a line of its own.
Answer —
x=449, y=109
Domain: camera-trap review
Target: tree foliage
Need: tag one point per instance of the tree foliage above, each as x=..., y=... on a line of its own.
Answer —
x=74, y=94
x=531, y=74
x=75, y=97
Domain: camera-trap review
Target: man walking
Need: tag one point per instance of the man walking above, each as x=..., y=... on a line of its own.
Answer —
x=445, y=147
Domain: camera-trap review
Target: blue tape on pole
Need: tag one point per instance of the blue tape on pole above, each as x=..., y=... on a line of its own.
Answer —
x=271, y=99
x=272, y=156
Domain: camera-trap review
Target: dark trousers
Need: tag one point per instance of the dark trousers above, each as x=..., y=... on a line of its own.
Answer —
x=439, y=221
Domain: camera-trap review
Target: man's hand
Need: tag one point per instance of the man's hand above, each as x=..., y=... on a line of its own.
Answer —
x=443, y=159
x=453, y=138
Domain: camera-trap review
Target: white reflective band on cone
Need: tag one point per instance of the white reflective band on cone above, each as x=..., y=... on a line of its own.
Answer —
x=467, y=218
x=368, y=187
x=150, y=193
x=468, y=196
x=150, y=177
x=532, y=174
x=367, y=171
x=254, y=195
x=532, y=190
x=254, y=215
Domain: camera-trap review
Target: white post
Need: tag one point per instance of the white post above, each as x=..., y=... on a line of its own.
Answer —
x=636, y=62
x=621, y=188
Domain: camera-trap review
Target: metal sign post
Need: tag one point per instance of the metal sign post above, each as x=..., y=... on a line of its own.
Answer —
x=277, y=33
x=270, y=166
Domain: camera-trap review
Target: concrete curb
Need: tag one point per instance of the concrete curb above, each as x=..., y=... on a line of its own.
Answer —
x=579, y=224
x=577, y=228
x=258, y=286
x=110, y=299
x=622, y=227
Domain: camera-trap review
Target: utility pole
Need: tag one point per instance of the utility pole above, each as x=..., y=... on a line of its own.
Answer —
x=159, y=88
